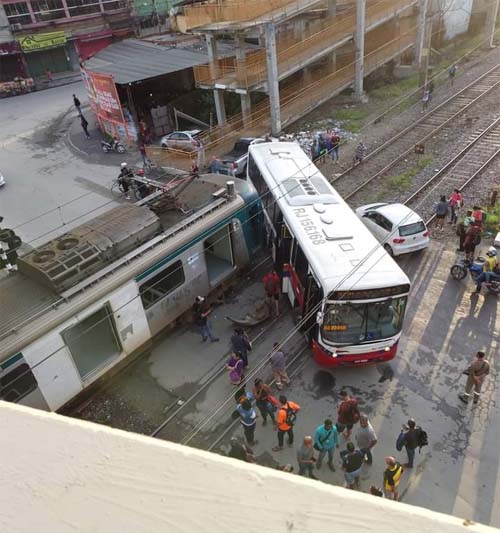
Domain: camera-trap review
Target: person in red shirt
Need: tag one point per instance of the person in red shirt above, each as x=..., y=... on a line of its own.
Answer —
x=348, y=414
x=272, y=285
x=456, y=201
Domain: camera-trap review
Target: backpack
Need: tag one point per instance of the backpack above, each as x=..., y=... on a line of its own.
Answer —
x=422, y=439
x=291, y=415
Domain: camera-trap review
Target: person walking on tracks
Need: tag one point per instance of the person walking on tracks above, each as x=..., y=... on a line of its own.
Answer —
x=348, y=414
x=305, y=458
x=265, y=401
x=248, y=419
x=392, y=477
x=201, y=311
x=326, y=438
x=272, y=286
x=452, y=71
x=476, y=374
x=456, y=201
x=235, y=365
x=85, y=126
x=77, y=104
x=335, y=139
x=277, y=360
x=441, y=210
x=287, y=414
x=241, y=343
x=366, y=438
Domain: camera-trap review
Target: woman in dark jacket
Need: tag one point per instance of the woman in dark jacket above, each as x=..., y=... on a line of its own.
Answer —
x=240, y=343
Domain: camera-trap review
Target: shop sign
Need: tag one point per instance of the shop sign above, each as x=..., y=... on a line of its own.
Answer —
x=103, y=96
x=40, y=41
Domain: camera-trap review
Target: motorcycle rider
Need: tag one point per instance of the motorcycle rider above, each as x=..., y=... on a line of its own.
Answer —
x=491, y=269
x=124, y=179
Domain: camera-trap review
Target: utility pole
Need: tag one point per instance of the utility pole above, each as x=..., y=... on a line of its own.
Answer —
x=491, y=19
x=427, y=50
x=273, y=85
x=360, y=48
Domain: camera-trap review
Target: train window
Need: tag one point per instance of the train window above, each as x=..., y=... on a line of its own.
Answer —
x=162, y=284
x=16, y=379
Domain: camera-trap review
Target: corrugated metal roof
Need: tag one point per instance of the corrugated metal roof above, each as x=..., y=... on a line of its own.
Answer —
x=133, y=60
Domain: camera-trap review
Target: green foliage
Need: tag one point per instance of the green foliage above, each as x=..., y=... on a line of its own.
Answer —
x=397, y=89
x=351, y=118
x=402, y=181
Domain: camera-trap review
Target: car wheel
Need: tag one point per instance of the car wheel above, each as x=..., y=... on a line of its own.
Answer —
x=389, y=250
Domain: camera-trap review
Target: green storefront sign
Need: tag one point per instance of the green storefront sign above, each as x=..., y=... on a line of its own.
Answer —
x=40, y=41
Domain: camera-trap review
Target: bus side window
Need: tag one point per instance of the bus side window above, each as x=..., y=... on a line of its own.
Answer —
x=300, y=263
x=256, y=177
x=16, y=382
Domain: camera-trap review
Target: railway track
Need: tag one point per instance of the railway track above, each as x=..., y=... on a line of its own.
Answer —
x=460, y=171
x=385, y=157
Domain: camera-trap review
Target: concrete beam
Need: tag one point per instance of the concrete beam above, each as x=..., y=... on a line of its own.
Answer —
x=360, y=47
x=419, y=42
x=246, y=108
x=491, y=18
x=220, y=108
x=272, y=78
x=332, y=8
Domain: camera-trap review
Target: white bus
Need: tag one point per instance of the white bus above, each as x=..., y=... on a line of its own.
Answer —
x=349, y=293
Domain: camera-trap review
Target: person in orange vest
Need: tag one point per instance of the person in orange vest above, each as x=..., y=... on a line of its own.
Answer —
x=285, y=420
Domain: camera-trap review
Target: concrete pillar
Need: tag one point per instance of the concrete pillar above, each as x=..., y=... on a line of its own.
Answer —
x=273, y=86
x=220, y=109
x=239, y=42
x=360, y=48
x=332, y=62
x=491, y=18
x=420, y=40
x=246, y=108
x=307, y=76
x=332, y=8
x=300, y=29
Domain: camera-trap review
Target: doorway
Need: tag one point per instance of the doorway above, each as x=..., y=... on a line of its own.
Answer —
x=219, y=255
x=93, y=341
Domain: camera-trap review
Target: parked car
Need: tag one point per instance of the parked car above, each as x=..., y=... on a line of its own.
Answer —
x=2, y=180
x=235, y=162
x=397, y=226
x=182, y=140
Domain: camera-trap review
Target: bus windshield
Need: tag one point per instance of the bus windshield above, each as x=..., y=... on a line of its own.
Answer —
x=355, y=323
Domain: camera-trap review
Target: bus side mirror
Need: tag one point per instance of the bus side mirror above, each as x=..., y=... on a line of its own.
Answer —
x=319, y=318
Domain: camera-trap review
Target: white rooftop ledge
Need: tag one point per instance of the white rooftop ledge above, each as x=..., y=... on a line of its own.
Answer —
x=60, y=474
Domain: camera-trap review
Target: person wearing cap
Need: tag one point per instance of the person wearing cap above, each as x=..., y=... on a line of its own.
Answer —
x=201, y=310
x=392, y=477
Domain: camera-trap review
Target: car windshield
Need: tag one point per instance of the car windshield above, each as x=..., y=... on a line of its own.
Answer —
x=355, y=323
x=411, y=229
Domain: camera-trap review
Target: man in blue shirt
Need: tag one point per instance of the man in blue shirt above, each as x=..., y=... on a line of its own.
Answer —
x=326, y=438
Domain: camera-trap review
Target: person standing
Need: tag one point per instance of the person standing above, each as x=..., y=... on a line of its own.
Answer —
x=425, y=100
x=50, y=77
x=272, y=286
x=451, y=75
x=476, y=374
x=277, y=360
x=240, y=343
x=441, y=210
x=287, y=414
x=264, y=400
x=392, y=477
x=305, y=458
x=326, y=438
x=352, y=461
x=248, y=419
x=239, y=451
x=471, y=240
x=201, y=311
x=462, y=228
x=235, y=366
x=348, y=414
x=366, y=438
x=85, y=126
x=144, y=155
x=410, y=438
x=456, y=201
x=77, y=104
x=335, y=146
x=214, y=165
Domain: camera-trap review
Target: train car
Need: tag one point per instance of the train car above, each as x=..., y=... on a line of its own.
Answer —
x=84, y=302
x=349, y=293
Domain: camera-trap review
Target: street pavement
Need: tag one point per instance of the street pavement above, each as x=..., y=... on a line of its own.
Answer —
x=456, y=474
x=50, y=185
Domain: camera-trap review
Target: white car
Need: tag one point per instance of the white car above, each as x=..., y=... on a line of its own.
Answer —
x=397, y=226
x=2, y=180
x=182, y=140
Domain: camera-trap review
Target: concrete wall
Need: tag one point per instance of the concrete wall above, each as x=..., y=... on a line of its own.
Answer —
x=456, y=16
x=61, y=474
x=5, y=34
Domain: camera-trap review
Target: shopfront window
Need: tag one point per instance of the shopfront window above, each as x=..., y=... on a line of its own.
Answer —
x=17, y=13
x=48, y=10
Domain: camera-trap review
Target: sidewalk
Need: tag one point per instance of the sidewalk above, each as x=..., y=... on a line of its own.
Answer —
x=91, y=148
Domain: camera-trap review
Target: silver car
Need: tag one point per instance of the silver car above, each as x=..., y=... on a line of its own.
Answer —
x=182, y=140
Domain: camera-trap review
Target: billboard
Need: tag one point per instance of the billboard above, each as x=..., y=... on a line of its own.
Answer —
x=30, y=43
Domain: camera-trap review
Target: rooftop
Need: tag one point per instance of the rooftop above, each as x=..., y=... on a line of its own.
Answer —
x=87, y=477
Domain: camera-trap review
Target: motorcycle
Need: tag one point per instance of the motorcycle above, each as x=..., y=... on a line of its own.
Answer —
x=459, y=271
x=113, y=146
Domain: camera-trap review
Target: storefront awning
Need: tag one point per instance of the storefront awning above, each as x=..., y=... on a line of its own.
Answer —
x=133, y=60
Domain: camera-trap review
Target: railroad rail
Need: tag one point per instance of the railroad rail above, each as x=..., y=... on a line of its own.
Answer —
x=385, y=157
x=460, y=171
